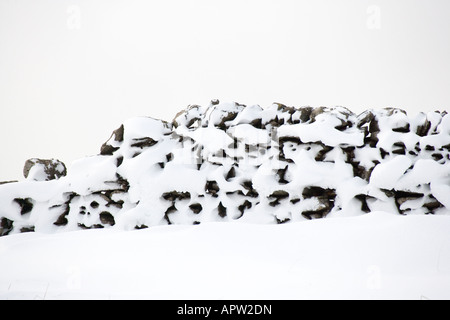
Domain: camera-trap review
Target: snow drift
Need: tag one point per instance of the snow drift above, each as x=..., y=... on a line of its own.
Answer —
x=229, y=162
x=373, y=256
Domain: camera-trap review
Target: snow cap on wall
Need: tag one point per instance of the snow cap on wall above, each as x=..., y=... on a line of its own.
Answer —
x=231, y=162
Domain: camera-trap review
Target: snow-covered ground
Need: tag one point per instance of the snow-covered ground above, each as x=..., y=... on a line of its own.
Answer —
x=373, y=256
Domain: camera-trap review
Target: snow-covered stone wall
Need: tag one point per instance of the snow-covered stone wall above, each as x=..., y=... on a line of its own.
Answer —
x=230, y=162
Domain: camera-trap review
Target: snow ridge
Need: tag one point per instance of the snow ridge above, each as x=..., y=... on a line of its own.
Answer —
x=231, y=162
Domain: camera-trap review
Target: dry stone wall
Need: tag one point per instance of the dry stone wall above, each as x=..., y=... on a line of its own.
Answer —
x=230, y=162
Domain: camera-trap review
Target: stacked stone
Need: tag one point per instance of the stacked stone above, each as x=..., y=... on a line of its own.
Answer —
x=229, y=162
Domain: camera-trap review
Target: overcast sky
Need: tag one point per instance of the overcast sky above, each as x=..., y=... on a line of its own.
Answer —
x=72, y=71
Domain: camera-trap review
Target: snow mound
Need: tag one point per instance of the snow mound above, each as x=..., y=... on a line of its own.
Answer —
x=228, y=162
x=375, y=256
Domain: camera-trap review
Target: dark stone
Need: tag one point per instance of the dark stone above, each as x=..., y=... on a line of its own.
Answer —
x=433, y=204
x=358, y=170
x=62, y=220
x=6, y=182
x=187, y=116
x=404, y=129
x=281, y=221
x=222, y=211
x=248, y=185
x=70, y=196
x=107, y=218
x=123, y=183
x=230, y=116
x=142, y=226
x=371, y=129
x=305, y=114
x=313, y=191
x=403, y=196
x=196, y=208
x=94, y=226
x=118, y=134
x=6, y=226
x=171, y=209
x=246, y=205
x=281, y=107
x=350, y=153
x=316, y=111
x=275, y=122
x=285, y=139
x=399, y=144
x=383, y=153
x=175, y=195
x=274, y=203
x=363, y=199
x=143, y=142
x=118, y=204
x=399, y=151
x=236, y=192
x=281, y=173
x=326, y=198
x=316, y=214
x=322, y=153
x=26, y=205
x=279, y=194
x=108, y=150
x=212, y=188
x=119, y=161
x=27, y=229
x=423, y=129
x=388, y=193
x=344, y=125
x=52, y=168
x=257, y=123
x=231, y=174
x=94, y=204
x=169, y=157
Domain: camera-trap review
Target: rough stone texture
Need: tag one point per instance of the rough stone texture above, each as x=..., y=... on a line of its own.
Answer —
x=229, y=162
x=44, y=170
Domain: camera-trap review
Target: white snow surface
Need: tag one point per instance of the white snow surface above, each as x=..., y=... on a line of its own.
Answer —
x=376, y=256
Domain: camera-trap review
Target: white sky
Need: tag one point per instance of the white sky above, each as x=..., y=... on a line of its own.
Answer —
x=72, y=71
